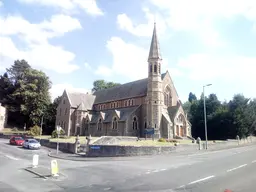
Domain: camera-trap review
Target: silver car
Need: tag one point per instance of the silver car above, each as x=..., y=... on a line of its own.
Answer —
x=31, y=144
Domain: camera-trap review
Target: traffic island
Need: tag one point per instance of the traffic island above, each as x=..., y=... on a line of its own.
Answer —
x=42, y=172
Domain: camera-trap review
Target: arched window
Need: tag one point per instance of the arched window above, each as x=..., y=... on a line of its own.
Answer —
x=167, y=96
x=134, y=123
x=64, y=101
x=99, y=126
x=132, y=102
x=151, y=68
x=87, y=125
x=155, y=68
x=145, y=125
x=60, y=111
x=114, y=123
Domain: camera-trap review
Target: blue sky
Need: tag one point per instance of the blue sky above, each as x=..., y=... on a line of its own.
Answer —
x=78, y=41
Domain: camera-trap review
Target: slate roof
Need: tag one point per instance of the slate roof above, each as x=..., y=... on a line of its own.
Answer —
x=83, y=100
x=127, y=90
x=124, y=114
x=173, y=110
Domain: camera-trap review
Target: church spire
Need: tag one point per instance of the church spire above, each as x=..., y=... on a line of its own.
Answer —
x=154, y=52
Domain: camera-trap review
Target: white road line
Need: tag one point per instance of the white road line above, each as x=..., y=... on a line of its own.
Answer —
x=11, y=157
x=237, y=167
x=155, y=171
x=200, y=180
x=254, y=161
x=162, y=169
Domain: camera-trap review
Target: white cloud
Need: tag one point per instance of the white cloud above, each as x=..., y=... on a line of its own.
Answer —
x=1, y=3
x=129, y=61
x=88, y=6
x=125, y=23
x=37, y=50
x=199, y=16
x=58, y=89
x=209, y=67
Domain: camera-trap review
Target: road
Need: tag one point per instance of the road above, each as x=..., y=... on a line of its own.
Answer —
x=214, y=171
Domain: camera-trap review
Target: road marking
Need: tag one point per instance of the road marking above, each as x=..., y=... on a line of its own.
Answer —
x=162, y=169
x=254, y=161
x=236, y=168
x=200, y=180
x=11, y=157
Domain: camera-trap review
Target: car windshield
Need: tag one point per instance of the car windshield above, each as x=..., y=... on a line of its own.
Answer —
x=33, y=141
x=18, y=138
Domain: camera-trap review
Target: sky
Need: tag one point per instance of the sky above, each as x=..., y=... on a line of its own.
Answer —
x=76, y=42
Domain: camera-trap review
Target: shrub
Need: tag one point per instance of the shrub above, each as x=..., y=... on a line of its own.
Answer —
x=15, y=129
x=35, y=130
x=172, y=141
x=55, y=135
x=161, y=140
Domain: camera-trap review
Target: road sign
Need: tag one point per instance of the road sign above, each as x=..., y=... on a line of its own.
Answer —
x=54, y=168
x=149, y=131
x=35, y=161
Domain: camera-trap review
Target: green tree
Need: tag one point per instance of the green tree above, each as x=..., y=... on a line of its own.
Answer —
x=16, y=71
x=32, y=90
x=191, y=97
x=102, y=84
x=50, y=116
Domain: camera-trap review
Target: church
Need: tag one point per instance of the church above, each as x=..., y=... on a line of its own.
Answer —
x=128, y=109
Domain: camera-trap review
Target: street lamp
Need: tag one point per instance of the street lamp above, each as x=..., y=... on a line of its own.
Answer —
x=205, y=120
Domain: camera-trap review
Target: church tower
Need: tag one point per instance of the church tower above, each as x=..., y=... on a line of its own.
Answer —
x=154, y=92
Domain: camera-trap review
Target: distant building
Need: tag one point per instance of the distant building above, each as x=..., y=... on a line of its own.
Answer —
x=3, y=118
x=128, y=109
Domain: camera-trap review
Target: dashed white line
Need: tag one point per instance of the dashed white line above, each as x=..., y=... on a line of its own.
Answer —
x=237, y=167
x=11, y=157
x=162, y=169
x=254, y=161
x=200, y=180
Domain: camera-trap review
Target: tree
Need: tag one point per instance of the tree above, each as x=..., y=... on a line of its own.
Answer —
x=32, y=91
x=102, y=84
x=191, y=97
x=50, y=116
x=17, y=70
x=6, y=88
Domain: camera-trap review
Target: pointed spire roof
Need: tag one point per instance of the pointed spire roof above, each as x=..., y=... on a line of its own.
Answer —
x=154, y=52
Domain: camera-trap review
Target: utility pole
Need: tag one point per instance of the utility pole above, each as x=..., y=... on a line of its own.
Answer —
x=205, y=119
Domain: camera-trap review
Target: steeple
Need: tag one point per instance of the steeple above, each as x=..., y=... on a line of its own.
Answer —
x=154, y=52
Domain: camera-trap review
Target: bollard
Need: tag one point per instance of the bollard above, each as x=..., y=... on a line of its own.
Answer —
x=237, y=138
x=54, y=168
x=88, y=143
x=77, y=144
x=35, y=161
x=199, y=143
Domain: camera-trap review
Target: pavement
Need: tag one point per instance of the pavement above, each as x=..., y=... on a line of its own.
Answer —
x=212, y=171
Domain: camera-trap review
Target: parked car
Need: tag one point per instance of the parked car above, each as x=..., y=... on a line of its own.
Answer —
x=31, y=144
x=16, y=140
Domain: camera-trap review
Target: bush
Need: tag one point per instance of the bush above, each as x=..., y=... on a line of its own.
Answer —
x=55, y=135
x=161, y=140
x=15, y=129
x=172, y=141
x=35, y=130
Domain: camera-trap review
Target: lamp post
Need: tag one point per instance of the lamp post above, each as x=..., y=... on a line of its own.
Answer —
x=41, y=128
x=205, y=120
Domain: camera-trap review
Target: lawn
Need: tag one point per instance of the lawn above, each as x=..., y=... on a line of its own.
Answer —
x=12, y=131
x=71, y=139
x=150, y=142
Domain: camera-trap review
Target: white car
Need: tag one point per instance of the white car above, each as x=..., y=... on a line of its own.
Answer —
x=31, y=144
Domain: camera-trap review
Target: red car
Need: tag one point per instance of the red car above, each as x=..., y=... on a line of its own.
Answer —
x=16, y=140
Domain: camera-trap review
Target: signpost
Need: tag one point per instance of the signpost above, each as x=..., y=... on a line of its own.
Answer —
x=149, y=131
x=58, y=129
